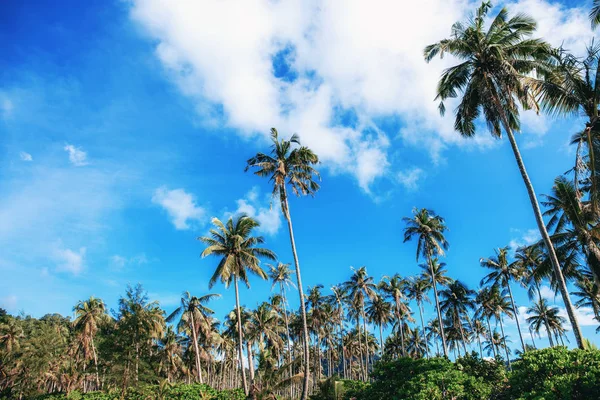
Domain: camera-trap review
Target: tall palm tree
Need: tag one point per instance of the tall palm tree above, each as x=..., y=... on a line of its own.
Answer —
x=361, y=287
x=595, y=13
x=502, y=273
x=395, y=288
x=379, y=312
x=417, y=344
x=239, y=255
x=428, y=228
x=540, y=313
x=491, y=77
x=589, y=295
x=294, y=167
x=194, y=316
x=88, y=315
x=417, y=290
x=337, y=300
x=575, y=224
x=457, y=302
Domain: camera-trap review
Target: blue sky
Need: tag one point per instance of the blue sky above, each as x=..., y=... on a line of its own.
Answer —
x=125, y=126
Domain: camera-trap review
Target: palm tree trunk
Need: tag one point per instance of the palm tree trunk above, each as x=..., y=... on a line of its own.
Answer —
x=402, y=337
x=381, y=340
x=516, y=311
x=343, y=347
x=504, y=338
x=240, y=338
x=437, y=307
x=480, y=348
x=287, y=331
x=539, y=292
x=491, y=336
x=423, y=327
x=360, y=347
x=196, y=350
x=286, y=213
x=96, y=365
x=532, y=338
x=250, y=362
x=562, y=286
x=366, y=343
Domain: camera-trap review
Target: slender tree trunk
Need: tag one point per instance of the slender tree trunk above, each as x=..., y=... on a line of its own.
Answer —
x=562, y=286
x=516, y=311
x=96, y=364
x=287, y=331
x=286, y=212
x=480, y=348
x=532, y=338
x=402, y=337
x=196, y=350
x=250, y=362
x=343, y=347
x=240, y=338
x=360, y=348
x=381, y=340
x=491, y=336
x=366, y=343
x=420, y=305
x=539, y=292
x=437, y=308
x=505, y=345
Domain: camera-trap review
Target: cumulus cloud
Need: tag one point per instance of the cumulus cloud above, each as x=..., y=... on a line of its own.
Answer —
x=525, y=238
x=72, y=261
x=25, y=156
x=77, y=157
x=180, y=206
x=267, y=213
x=410, y=178
x=297, y=64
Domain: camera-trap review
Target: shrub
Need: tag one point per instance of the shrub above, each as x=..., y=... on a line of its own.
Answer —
x=555, y=374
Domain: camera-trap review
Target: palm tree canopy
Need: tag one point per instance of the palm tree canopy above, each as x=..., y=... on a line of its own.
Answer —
x=236, y=246
x=428, y=228
x=493, y=65
x=287, y=165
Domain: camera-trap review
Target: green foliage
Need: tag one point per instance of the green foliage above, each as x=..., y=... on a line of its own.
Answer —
x=492, y=372
x=179, y=392
x=555, y=374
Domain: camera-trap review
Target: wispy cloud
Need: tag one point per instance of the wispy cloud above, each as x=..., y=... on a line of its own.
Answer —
x=72, y=261
x=24, y=156
x=77, y=157
x=524, y=238
x=180, y=206
x=261, y=208
x=411, y=178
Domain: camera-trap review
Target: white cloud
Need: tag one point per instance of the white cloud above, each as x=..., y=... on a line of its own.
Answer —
x=25, y=156
x=77, y=157
x=365, y=57
x=411, y=177
x=6, y=106
x=181, y=207
x=119, y=262
x=585, y=316
x=266, y=212
x=547, y=293
x=9, y=303
x=525, y=238
x=72, y=261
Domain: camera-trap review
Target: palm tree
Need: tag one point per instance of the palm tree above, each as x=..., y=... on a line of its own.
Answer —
x=539, y=314
x=457, y=302
x=294, y=167
x=394, y=288
x=234, y=244
x=428, y=228
x=491, y=77
x=417, y=344
x=574, y=223
x=379, y=312
x=194, y=316
x=417, y=290
x=88, y=315
x=359, y=288
x=337, y=300
x=501, y=275
x=281, y=275
x=588, y=293
x=170, y=351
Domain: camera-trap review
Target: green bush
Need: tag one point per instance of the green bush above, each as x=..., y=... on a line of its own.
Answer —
x=555, y=374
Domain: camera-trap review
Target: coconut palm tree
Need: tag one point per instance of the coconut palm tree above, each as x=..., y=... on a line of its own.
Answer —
x=194, y=316
x=416, y=344
x=294, y=167
x=428, y=229
x=359, y=288
x=495, y=60
x=502, y=273
x=379, y=313
x=170, y=352
x=457, y=303
x=539, y=314
x=574, y=223
x=417, y=290
x=239, y=255
x=89, y=314
x=395, y=288
x=588, y=293
x=337, y=300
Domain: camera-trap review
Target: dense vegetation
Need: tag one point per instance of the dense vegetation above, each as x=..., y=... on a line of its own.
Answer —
x=138, y=351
